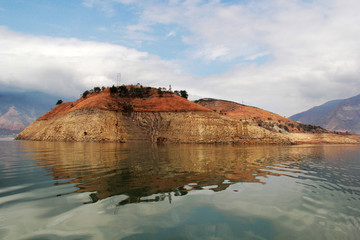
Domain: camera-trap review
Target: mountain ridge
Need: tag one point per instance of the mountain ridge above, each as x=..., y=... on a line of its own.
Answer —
x=20, y=109
x=336, y=115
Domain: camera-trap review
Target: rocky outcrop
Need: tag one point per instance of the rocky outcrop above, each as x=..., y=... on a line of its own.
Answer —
x=182, y=127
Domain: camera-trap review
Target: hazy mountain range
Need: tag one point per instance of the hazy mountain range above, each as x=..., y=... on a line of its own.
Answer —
x=337, y=115
x=19, y=109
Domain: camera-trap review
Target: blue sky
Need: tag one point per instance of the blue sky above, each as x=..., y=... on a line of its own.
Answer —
x=281, y=55
x=108, y=21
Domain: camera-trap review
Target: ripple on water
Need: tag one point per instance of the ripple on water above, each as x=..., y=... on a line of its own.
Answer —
x=303, y=191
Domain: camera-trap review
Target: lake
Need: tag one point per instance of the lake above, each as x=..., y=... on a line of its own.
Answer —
x=145, y=191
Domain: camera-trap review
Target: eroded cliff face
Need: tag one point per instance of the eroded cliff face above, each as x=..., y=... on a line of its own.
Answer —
x=201, y=127
x=113, y=126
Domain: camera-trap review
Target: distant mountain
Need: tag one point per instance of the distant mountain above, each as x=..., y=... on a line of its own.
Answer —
x=18, y=110
x=337, y=115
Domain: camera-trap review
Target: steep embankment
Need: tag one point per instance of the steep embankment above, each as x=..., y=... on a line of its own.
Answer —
x=297, y=132
x=182, y=127
x=152, y=116
x=256, y=116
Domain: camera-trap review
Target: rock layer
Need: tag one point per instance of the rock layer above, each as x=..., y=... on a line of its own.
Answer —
x=182, y=127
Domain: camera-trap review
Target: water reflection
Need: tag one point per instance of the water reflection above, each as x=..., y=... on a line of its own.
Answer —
x=142, y=170
x=215, y=191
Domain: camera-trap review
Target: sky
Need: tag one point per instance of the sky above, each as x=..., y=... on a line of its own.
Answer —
x=284, y=56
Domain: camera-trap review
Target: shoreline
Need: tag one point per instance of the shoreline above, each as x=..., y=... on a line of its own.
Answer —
x=7, y=138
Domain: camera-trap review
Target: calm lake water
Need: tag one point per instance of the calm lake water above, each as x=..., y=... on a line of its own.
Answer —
x=144, y=191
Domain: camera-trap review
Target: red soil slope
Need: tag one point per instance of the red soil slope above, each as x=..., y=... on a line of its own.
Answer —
x=256, y=116
x=152, y=102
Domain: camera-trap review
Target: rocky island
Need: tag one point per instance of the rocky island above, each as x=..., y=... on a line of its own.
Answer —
x=137, y=113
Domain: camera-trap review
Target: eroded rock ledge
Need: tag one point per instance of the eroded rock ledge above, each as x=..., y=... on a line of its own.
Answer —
x=184, y=127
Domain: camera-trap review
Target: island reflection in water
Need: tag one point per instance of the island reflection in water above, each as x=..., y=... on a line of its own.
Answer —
x=215, y=191
x=145, y=172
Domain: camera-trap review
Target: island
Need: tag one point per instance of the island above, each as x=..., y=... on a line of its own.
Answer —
x=136, y=113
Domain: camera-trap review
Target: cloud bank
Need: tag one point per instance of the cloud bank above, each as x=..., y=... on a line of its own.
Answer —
x=283, y=56
x=69, y=66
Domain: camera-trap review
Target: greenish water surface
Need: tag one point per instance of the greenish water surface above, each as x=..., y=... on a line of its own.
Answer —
x=145, y=191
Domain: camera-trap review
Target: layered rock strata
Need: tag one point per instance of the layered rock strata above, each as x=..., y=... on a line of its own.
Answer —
x=183, y=127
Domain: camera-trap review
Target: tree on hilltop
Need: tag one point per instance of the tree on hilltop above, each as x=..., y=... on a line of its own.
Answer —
x=85, y=94
x=113, y=89
x=184, y=94
x=123, y=91
x=97, y=89
x=160, y=92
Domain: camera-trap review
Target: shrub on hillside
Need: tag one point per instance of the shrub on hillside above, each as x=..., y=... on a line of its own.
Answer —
x=97, y=89
x=184, y=94
x=123, y=91
x=160, y=92
x=85, y=94
x=113, y=89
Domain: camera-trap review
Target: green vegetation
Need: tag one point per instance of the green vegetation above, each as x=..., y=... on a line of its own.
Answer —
x=182, y=93
x=123, y=91
x=136, y=91
x=97, y=89
x=85, y=93
x=113, y=89
x=312, y=128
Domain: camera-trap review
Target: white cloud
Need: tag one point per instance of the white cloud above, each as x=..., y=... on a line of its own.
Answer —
x=212, y=52
x=171, y=34
x=313, y=49
x=68, y=66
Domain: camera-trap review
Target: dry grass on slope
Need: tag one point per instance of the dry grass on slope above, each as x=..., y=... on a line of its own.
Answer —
x=256, y=116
